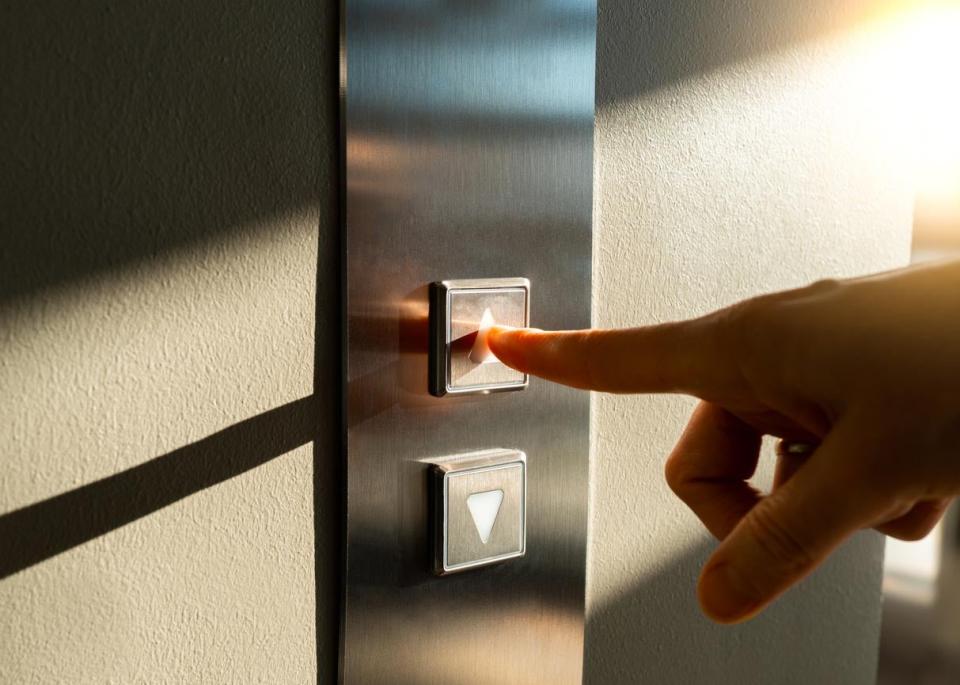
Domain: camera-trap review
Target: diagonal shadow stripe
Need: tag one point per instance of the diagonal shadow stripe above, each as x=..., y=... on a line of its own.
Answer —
x=47, y=528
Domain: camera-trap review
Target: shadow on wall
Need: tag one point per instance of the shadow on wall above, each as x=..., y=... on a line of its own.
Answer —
x=47, y=528
x=134, y=128
x=654, y=632
x=131, y=129
x=660, y=42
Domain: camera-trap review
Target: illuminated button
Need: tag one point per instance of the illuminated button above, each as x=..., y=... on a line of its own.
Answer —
x=484, y=507
x=479, y=509
x=461, y=314
x=480, y=353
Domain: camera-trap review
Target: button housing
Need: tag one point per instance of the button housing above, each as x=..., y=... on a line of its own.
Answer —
x=456, y=310
x=458, y=545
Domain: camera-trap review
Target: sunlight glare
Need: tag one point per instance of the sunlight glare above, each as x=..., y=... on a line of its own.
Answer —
x=921, y=60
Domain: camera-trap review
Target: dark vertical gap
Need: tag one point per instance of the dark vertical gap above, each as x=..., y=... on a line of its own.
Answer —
x=340, y=73
x=328, y=455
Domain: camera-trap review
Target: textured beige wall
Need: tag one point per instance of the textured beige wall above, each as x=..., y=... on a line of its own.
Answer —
x=739, y=150
x=167, y=170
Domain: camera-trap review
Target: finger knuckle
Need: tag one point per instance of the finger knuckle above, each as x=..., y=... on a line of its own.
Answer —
x=824, y=285
x=747, y=321
x=764, y=341
x=677, y=474
x=916, y=523
x=910, y=533
x=778, y=542
x=744, y=331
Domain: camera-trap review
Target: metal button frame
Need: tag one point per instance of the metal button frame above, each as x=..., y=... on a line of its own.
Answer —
x=478, y=464
x=441, y=352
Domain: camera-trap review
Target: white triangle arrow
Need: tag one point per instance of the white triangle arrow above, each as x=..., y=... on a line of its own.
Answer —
x=484, y=507
x=481, y=353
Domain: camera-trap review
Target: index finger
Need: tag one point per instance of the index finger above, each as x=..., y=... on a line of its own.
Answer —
x=687, y=356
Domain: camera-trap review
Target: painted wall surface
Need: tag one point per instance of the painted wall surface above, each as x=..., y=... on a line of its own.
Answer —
x=741, y=147
x=168, y=337
x=165, y=404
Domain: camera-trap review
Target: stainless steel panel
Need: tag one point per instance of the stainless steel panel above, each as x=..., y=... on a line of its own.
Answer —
x=469, y=132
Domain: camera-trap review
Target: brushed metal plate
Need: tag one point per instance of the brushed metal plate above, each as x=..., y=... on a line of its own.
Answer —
x=468, y=133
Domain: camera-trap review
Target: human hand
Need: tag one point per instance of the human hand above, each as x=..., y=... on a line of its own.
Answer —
x=865, y=372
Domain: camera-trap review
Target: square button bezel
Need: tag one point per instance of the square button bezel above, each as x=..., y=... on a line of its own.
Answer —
x=440, y=353
x=465, y=466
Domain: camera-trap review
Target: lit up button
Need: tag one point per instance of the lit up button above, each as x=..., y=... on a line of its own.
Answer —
x=480, y=353
x=479, y=504
x=461, y=314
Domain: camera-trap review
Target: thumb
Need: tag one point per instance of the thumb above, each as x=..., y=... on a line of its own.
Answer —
x=788, y=533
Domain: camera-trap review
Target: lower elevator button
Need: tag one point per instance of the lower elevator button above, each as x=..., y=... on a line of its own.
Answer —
x=479, y=509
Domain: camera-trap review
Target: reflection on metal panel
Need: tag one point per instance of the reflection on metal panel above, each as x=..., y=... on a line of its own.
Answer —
x=469, y=142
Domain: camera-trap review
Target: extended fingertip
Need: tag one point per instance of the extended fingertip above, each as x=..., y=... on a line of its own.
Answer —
x=506, y=339
x=500, y=337
x=504, y=342
x=500, y=329
x=725, y=595
x=511, y=331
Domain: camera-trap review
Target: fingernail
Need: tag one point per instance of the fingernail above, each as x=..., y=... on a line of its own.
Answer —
x=725, y=595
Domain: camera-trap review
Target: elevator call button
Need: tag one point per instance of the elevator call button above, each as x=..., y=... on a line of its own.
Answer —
x=461, y=313
x=479, y=509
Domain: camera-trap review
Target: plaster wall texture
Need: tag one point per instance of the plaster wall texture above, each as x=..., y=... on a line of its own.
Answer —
x=739, y=150
x=168, y=327
x=168, y=410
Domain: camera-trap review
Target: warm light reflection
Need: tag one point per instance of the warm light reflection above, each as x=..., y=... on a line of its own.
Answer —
x=920, y=68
